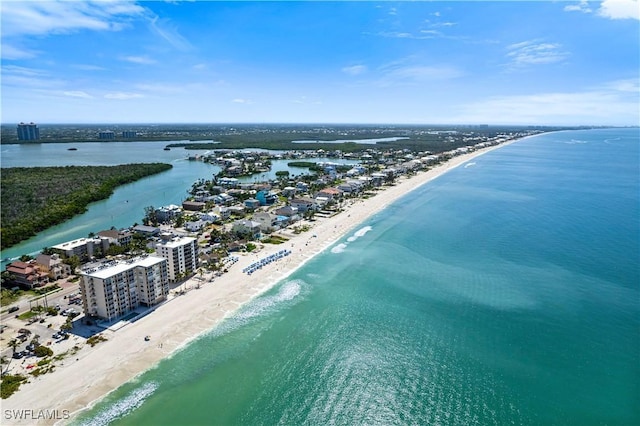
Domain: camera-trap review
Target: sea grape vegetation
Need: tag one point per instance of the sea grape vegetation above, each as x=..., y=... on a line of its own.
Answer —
x=36, y=198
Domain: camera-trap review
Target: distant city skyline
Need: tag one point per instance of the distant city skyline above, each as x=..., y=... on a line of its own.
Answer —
x=515, y=63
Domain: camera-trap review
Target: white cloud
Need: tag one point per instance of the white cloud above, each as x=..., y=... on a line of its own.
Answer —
x=613, y=103
x=12, y=52
x=583, y=7
x=88, y=67
x=534, y=52
x=407, y=71
x=23, y=71
x=242, y=101
x=169, y=33
x=55, y=17
x=77, y=94
x=142, y=60
x=620, y=9
x=121, y=96
x=303, y=100
x=355, y=69
x=631, y=85
x=438, y=72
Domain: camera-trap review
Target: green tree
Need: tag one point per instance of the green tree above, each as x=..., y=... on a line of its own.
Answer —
x=150, y=216
x=13, y=344
x=73, y=262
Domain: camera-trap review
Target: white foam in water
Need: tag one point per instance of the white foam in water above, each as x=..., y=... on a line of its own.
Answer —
x=359, y=233
x=258, y=307
x=124, y=406
x=469, y=165
x=339, y=248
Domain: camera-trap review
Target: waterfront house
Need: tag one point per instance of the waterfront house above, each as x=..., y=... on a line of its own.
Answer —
x=193, y=206
x=288, y=211
x=116, y=237
x=267, y=221
x=27, y=274
x=351, y=187
x=147, y=231
x=247, y=229
x=228, y=182
x=377, y=179
x=304, y=204
x=329, y=193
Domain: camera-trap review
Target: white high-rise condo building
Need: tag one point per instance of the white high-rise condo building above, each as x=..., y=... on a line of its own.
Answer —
x=114, y=289
x=182, y=256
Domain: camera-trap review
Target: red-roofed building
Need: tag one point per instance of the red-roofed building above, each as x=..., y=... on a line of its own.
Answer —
x=329, y=193
x=27, y=274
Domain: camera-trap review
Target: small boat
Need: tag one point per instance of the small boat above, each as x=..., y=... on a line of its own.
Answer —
x=166, y=148
x=72, y=149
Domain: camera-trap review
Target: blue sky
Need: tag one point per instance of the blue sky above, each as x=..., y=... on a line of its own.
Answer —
x=507, y=62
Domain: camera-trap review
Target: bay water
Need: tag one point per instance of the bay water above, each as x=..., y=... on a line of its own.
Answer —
x=504, y=292
x=126, y=206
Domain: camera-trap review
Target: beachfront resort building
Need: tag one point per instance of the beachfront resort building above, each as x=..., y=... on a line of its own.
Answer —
x=112, y=290
x=182, y=256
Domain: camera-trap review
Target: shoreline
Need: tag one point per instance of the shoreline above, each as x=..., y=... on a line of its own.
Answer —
x=78, y=385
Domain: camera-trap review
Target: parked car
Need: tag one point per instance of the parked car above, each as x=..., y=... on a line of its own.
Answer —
x=17, y=355
x=13, y=309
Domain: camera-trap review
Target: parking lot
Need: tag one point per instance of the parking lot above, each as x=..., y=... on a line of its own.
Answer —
x=45, y=328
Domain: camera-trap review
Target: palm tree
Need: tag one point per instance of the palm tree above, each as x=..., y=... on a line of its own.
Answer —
x=36, y=340
x=13, y=344
x=68, y=325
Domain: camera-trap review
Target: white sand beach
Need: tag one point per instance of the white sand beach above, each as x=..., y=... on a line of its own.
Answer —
x=93, y=372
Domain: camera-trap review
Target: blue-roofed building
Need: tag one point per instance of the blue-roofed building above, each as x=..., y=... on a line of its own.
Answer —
x=266, y=198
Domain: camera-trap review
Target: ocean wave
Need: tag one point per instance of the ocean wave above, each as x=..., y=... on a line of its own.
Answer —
x=123, y=407
x=339, y=248
x=361, y=232
x=469, y=165
x=259, y=307
x=358, y=234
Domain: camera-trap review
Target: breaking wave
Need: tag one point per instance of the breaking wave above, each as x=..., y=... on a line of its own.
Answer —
x=358, y=234
x=261, y=306
x=123, y=407
x=339, y=248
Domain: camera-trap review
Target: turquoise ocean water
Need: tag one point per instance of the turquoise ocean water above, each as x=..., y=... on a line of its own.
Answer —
x=504, y=292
